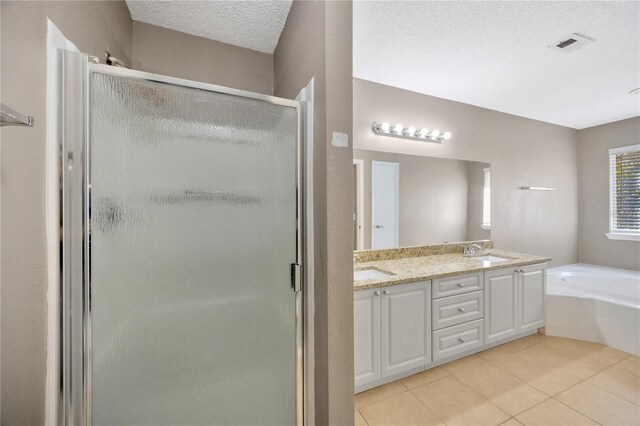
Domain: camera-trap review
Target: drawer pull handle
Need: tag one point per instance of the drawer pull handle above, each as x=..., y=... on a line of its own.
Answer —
x=461, y=309
x=460, y=284
x=461, y=340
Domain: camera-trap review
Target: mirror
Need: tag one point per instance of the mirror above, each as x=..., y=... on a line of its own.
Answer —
x=410, y=200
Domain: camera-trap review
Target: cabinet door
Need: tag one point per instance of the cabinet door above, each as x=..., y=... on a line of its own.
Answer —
x=406, y=327
x=367, y=336
x=500, y=304
x=531, y=297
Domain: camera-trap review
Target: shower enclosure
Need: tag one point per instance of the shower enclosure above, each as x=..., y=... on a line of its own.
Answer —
x=181, y=248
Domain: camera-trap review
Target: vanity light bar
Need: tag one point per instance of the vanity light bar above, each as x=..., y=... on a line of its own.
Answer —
x=400, y=131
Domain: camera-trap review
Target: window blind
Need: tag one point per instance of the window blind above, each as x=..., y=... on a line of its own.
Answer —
x=486, y=199
x=624, y=167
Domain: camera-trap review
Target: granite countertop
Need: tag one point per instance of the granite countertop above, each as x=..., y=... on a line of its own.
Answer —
x=413, y=269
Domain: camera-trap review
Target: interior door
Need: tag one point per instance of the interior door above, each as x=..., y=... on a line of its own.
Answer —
x=193, y=221
x=385, y=195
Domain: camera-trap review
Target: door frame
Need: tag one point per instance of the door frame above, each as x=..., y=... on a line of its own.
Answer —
x=359, y=185
x=373, y=199
x=74, y=397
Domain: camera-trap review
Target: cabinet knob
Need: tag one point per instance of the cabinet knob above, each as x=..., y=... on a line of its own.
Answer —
x=461, y=340
x=386, y=292
x=461, y=309
x=516, y=270
x=377, y=293
x=460, y=284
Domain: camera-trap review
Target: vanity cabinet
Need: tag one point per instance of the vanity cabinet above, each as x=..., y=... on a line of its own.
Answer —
x=405, y=327
x=500, y=303
x=400, y=329
x=531, y=290
x=392, y=331
x=367, y=336
x=514, y=301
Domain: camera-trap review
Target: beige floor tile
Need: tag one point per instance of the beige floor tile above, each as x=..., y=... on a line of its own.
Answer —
x=506, y=391
x=501, y=351
x=547, y=378
x=552, y=412
x=511, y=422
x=400, y=410
x=359, y=420
x=619, y=381
x=378, y=394
x=457, y=404
x=425, y=377
x=497, y=353
x=571, y=360
x=465, y=363
x=531, y=340
x=631, y=365
x=600, y=405
x=596, y=351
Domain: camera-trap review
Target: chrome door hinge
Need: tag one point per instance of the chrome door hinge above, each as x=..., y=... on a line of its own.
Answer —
x=296, y=277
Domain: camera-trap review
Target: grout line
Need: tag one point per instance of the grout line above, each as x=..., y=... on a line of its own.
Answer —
x=362, y=415
x=571, y=408
x=545, y=400
x=423, y=403
x=388, y=397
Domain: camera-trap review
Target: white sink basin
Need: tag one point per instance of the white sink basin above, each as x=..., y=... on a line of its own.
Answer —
x=490, y=259
x=369, y=274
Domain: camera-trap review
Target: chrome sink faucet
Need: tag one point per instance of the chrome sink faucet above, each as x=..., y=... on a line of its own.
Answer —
x=471, y=249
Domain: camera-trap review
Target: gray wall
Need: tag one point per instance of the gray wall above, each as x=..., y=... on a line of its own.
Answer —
x=316, y=43
x=94, y=27
x=593, y=175
x=164, y=51
x=521, y=152
x=433, y=198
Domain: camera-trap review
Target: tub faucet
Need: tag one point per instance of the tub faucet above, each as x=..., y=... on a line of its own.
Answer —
x=470, y=250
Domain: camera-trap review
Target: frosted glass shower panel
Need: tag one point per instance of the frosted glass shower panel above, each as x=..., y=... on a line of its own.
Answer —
x=193, y=231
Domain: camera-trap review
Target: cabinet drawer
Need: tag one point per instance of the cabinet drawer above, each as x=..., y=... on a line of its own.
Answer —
x=457, y=339
x=460, y=284
x=454, y=310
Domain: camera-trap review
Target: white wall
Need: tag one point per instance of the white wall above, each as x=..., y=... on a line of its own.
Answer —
x=521, y=152
x=593, y=173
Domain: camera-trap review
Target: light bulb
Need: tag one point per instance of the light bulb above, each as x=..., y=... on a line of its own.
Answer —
x=398, y=128
x=423, y=132
x=446, y=136
x=411, y=131
x=435, y=133
x=385, y=127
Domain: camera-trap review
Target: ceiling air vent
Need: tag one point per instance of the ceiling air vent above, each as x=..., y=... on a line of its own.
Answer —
x=572, y=43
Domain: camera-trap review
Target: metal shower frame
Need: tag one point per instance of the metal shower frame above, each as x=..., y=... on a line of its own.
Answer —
x=74, y=387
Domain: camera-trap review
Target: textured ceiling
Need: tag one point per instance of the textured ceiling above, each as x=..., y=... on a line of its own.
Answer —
x=252, y=24
x=495, y=55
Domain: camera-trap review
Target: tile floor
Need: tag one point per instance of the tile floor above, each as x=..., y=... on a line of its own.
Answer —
x=536, y=380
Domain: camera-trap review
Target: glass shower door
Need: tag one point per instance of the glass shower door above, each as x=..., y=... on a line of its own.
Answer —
x=192, y=236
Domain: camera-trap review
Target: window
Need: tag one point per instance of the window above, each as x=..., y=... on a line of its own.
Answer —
x=486, y=199
x=624, y=193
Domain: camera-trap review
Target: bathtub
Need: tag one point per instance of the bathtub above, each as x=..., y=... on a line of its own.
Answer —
x=595, y=303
